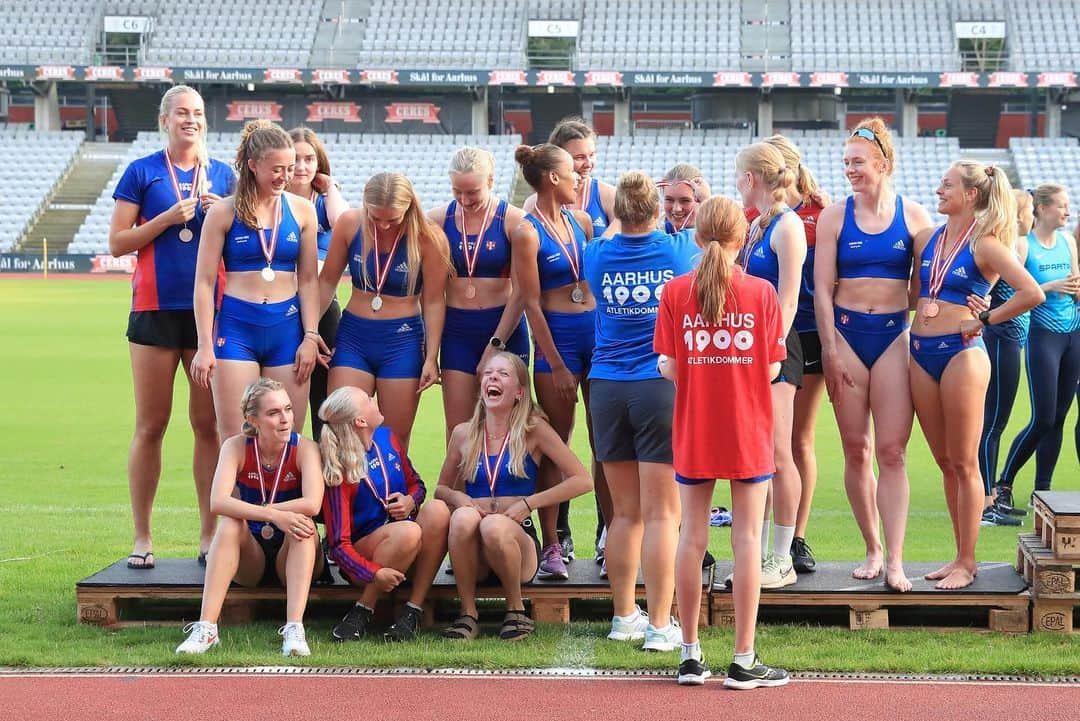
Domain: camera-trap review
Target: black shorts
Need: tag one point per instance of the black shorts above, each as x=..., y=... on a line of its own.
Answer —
x=271, y=548
x=163, y=328
x=811, y=353
x=791, y=369
x=492, y=579
x=631, y=420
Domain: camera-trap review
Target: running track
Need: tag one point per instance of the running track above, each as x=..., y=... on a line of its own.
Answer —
x=162, y=697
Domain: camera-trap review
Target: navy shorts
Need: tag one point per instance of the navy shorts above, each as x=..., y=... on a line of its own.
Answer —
x=265, y=333
x=631, y=420
x=575, y=338
x=163, y=328
x=934, y=352
x=467, y=333
x=385, y=348
x=869, y=334
x=687, y=481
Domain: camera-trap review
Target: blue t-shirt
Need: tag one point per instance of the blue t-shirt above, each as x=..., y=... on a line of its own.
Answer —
x=627, y=275
x=165, y=267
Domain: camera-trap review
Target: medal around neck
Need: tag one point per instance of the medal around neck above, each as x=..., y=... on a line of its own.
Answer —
x=268, y=274
x=186, y=236
x=267, y=531
x=376, y=303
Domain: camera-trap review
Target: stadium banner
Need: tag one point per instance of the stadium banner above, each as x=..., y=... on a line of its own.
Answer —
x=462, y=78
x=64, y=263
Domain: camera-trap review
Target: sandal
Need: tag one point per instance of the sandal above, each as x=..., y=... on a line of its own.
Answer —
x=465, y=628
x=515, y=626
x=146, y=559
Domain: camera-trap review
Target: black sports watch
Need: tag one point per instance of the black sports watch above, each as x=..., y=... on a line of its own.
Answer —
x=984, y=317
x=497, y=343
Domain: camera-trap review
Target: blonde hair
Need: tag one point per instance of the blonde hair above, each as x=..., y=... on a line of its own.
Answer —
x=202, y=155
x=257, y=139
x=251, y=402
x=636, y=201
x=687, y=173
x=882, y=144
x=537, y=161
x=995, y=206
x=570, y=129
x=721, y=225
x=806, y=184
x=523, y=419
x=302, y=134
x=393, y=190
x=343, y=455
x=1025, y=211
x=473, y=160
x=1044, y=195
x=767, y=163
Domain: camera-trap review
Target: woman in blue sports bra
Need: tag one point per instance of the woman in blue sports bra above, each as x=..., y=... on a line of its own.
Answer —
x=312, y=180
x=269, y=316
x=775, y=251
x=548, y=250
x=387, y=343
x=863, y=251
x=1053, y=350
x=594, y=197
x=484, y=313
x=489, y=480
x=949, y=368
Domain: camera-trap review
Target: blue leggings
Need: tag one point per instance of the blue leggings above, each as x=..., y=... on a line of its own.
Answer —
x=1053, y=364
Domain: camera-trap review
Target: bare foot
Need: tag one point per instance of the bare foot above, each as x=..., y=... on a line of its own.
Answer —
x=941, y=572
x=869, y=570
x=896, y=579
x=959, y=578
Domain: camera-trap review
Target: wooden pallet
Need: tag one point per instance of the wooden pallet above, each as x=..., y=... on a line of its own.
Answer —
x=999, y=592
x=1057, y=521
x=1050, y=577
x=109, y=597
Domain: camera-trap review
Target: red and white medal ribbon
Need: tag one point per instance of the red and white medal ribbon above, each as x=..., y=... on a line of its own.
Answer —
x=751, y=243
x=186, y=235
x=940, y=263
x=493, y=473
x=474, y=256
x=267, y=530
x=268, y=248
x=571, y=258
x=381, y=274
x=585, y=195
x=386, y=480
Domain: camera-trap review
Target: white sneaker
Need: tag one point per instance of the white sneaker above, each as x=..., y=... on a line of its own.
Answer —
x=777, y=572
x=293, y=642
x=204, y=636
x=662, y=639
x=632, y=629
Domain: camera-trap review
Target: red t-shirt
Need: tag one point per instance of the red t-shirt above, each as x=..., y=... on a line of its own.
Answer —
x=807, y=212
x=723, y=421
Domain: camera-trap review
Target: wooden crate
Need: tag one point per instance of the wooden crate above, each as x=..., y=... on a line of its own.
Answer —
x=1053, y=616
x=1049, y=576
x=1057, y=521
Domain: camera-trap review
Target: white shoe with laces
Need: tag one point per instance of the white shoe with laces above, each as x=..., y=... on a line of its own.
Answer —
x=203, y=637
x=631, y=628
x=293, y=640
x=662, y=639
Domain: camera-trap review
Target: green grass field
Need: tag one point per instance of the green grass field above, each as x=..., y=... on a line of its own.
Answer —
x=66, y=388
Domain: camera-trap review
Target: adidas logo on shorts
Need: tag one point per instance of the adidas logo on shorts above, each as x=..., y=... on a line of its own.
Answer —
x=899, y=245
x=404, y=328
x=293, y=310
x=402, y=267
x=943, y=345
x=960, y=272
x=890, y=324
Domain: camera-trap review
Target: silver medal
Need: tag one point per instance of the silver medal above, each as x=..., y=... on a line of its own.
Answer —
x=470, y=291
x=268, y=274
x=577, y=294
x=376, y=303
x=267, y=531
x=186, y=236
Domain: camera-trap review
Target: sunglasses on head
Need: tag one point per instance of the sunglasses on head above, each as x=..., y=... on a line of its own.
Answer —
x=868, y=134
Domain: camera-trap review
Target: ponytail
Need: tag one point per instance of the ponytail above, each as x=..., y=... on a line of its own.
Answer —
x=257, y=138
x=721, y=227
x=343, y=456
x=766, y=163
x=995, y=206
x=806, y=184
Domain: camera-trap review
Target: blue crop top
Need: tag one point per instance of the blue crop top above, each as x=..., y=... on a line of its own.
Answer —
x=874, y=255
x=397, y=279
x=493, y=260
x=962, y=279
x=323, y=233
x=595, y=209
x=243, y=250
x=762, y=261
x=551, y=261
x=506, y=483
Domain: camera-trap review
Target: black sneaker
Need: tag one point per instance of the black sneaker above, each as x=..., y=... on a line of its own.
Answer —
x=354, y=626
x=708, y=560
x=1004, y=502
x=693, y=672
x=566, y=543
x=406, y=626
x=994, y=516
x=760, y=675
x=802, y=557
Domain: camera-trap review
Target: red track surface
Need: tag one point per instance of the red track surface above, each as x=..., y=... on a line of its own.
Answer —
x=420, y=698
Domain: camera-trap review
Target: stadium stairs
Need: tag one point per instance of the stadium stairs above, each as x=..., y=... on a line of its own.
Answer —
x=338, y=44
x=973, y=118
x=74, y=197
x=765, y=35
x=135, y=110
x=998, y=157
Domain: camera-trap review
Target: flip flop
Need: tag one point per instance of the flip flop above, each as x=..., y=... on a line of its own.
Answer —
x=719, y=516
x=146, y=558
